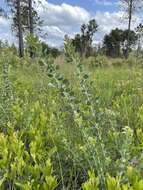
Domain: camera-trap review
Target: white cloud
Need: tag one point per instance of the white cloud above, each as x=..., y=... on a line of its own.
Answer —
x=5, y=30
x=63, y=14
x=59, y=20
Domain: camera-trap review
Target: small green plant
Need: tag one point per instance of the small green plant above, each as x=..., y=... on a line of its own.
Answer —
x=92, y=183
x=33, y=45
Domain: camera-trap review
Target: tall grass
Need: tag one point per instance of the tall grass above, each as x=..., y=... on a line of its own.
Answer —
x=65, y=120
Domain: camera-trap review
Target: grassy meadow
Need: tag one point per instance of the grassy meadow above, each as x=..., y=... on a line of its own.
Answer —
x=70, y=126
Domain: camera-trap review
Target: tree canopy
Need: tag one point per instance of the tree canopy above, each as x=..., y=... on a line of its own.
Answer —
x=115, y=42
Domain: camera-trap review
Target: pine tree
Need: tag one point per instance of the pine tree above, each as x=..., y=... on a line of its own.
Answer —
x=130, y=7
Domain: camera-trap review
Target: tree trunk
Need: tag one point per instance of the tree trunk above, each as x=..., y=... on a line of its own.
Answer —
x=129, y=28
x=20, y=32
x=139, y=46
x=31, y=28
x=30, y=18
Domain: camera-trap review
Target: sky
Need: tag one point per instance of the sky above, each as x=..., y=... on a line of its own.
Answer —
x=62, y=17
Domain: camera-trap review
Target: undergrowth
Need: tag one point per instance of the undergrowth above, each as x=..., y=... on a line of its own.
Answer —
x=74, y=131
